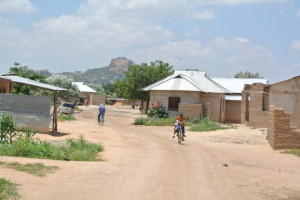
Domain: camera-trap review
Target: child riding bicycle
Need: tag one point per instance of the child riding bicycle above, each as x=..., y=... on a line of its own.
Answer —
x=179, y=121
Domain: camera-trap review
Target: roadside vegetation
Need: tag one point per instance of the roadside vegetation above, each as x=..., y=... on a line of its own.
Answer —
x=8, y=190
x=37, y=169
x=63, y=118
x=24, y=144
x=293, y=151
x=157, y=116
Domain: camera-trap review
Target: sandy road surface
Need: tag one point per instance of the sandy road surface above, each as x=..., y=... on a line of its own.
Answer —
x=146, y=163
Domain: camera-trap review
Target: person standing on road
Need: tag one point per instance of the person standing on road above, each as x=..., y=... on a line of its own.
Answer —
x=101, y=114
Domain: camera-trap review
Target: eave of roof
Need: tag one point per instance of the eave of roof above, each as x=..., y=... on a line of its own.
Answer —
x=25, y=81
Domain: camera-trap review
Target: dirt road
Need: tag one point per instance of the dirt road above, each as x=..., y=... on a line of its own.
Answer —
x=146, y=163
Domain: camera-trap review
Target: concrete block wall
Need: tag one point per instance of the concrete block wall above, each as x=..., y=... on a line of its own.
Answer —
x=281, y=135
x=97, y=99
x=28, y=111
x=257, y=117
x=192, y=110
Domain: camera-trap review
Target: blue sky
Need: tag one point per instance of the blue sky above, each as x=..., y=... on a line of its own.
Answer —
x=220, y=37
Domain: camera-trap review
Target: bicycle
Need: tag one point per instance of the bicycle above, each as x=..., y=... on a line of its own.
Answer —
x=180, y=133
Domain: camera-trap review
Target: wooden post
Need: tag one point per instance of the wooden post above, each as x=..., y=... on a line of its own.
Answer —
x=54, y=123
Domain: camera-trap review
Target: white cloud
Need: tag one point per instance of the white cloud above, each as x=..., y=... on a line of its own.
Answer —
x=16, y=6
x=297, y=13
x=235, y=2
x=204, y=15
x=192, y=33
x=295, y=45
x=221, y=56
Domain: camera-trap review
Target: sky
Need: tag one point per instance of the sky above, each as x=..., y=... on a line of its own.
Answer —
x=219, y=37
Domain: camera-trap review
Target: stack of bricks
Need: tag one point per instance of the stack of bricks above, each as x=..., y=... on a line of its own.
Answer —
x=192, y=110
x=281, y=135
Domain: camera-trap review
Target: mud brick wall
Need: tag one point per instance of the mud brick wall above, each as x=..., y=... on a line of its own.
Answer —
x=192, y=110
x=97, y=99
x=257, y=117
x=281, y=135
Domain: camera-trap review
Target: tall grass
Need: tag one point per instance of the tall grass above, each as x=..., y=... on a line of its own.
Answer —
x=76, y=149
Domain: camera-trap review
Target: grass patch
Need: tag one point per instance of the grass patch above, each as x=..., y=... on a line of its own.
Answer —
x=75, y=149
x=63, y=118
x=151, y=121
x=205, y=124
x=8, y=190
x=37, y=169
x=293, y=151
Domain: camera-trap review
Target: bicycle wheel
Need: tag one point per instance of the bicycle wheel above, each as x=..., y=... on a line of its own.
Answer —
x=179, y=136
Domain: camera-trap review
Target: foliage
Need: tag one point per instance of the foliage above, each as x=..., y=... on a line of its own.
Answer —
x=204, y=124
x=8, y=190
x=98, y=87
x=247, y=74
x=79, y=150
x=37, y=169
x=7, y=128
x=63, y=117
x=25, y=72
x=158, y=111
x=64, y=82
x=140, y=121
x=109, y=89
x=139, y=76
x=293, y=151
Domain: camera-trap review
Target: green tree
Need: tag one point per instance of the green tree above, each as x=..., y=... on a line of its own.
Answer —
x=98, y=87
x=109, y=89
x=25, y=72
x=247, y=74
x=64, y=82
x=139, y=76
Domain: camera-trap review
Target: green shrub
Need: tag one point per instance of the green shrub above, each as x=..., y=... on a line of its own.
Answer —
x=158, y=111
x=79, y=150
x=7, y=128
x=140, y=121
x=204, y=124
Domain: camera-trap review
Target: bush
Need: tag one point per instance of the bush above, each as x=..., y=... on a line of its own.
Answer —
x=7, y=128
x=158, y=111
x=140, y=121
x=204, y=124
x=79, y=150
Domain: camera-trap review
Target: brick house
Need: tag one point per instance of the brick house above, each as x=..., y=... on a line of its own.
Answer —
x=195, y=94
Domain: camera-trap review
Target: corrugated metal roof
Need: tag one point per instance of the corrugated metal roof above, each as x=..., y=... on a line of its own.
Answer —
x=188, y=81
x=84, y=88
x=25, y=81
x=236, y=85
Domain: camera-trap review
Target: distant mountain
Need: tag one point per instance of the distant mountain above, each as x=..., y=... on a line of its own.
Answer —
x=103, y=75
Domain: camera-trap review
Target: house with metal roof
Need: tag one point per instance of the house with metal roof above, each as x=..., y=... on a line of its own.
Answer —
x=85, y=91
x=194, y=93
x=191, y=92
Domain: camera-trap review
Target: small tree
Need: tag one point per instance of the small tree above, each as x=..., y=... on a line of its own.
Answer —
x=247, y=74
x=62, y=81
x=25, y=72
x=7, y=128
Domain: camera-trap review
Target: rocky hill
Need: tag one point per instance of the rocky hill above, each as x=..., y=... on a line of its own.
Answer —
x=103, y=75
